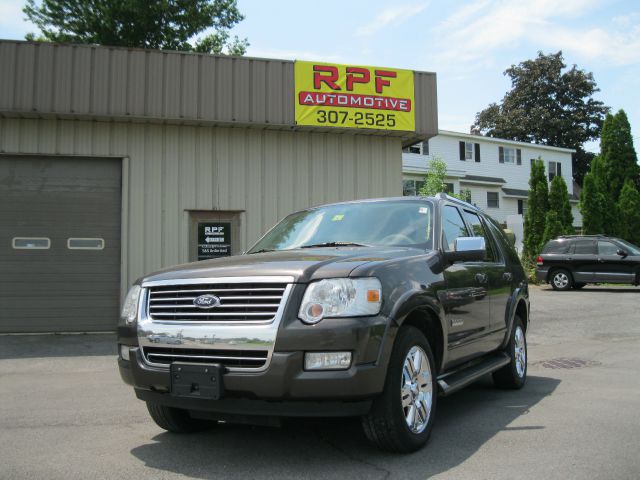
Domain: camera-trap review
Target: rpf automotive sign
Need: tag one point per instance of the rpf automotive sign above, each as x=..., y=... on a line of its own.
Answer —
x=329, y=95
x=214, y=240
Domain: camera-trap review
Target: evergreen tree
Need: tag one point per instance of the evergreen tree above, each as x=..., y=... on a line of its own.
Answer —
x=553, y=226
x=599, y=212
x=559, y=203
x=534, y=221
x=629, y=211
x=618, y=155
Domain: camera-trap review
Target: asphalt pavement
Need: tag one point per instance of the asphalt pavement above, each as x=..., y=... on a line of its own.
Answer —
x=65, y=414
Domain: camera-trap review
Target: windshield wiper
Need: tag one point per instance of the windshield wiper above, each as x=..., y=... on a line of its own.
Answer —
x=263, y=251
x=335, y=244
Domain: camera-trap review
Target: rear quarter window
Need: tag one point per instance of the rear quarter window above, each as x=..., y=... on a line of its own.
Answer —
x=556, y=247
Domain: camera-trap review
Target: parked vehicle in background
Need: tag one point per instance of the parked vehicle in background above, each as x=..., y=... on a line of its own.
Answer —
x=575, y=260
x=368, y=308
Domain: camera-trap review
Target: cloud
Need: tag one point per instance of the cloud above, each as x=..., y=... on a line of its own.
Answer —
x=390, y=16
x=11, y=19
x=471, y=35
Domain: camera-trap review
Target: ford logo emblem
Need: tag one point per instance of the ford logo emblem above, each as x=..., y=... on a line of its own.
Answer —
x=206, y=301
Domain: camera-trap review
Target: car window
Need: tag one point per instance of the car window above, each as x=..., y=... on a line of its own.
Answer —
x=607, y=248
x=452, y=227
x=633, y=249
x=479, y=230
x=584, y=247
x=557, y=247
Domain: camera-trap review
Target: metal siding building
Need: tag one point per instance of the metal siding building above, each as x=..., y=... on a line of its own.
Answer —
x=193, y=137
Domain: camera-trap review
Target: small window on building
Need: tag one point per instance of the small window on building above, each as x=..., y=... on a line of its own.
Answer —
x=31, y=243
x=492, y=200
x=448, y=187
x=85, y=243
x=522, y=207
x=425, y=147
x=469, y=151
x=411, y=188
x=415, y=148
x=555, y=168
x=510, y=155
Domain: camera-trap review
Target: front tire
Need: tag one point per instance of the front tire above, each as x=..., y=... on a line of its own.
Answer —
x=514, y=374
x=561, y=280
x=402, y=417
x=176, y=420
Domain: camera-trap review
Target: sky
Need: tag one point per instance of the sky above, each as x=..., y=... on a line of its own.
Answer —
x=469, y=44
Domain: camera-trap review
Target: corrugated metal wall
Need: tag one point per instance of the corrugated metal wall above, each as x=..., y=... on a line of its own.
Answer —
x=173, y=169
x=118, y=82
x=83, y=81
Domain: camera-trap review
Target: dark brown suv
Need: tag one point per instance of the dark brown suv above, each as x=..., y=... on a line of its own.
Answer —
x=369, y=308
x=573, y=261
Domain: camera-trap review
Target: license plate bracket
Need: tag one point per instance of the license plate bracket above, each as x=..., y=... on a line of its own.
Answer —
x=201, y=380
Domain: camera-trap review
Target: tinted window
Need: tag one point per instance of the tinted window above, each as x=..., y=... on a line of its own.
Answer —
x=607, y=248
x=633, y=249
x=584, y=247
x=557, y=247
x=479, y=230
x=452, y=227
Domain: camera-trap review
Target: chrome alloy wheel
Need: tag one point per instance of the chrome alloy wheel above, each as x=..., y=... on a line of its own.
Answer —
x=520, y=352
x=417, y=389
x=561, y=280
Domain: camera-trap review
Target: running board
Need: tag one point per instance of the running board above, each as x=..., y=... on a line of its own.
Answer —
x=460, y=379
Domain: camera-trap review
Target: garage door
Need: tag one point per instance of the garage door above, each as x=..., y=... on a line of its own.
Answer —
x=59, y=244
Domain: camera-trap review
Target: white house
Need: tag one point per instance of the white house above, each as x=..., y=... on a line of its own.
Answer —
x=495, y=172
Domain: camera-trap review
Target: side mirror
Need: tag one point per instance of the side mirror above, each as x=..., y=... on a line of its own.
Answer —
x=467, y=249
x=622, y=253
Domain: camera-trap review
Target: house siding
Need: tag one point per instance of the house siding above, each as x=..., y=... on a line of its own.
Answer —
x=446, y=146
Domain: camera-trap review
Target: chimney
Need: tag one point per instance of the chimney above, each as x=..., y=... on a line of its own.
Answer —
x=474, y=130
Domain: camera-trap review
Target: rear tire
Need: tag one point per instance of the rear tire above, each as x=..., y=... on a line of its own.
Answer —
x=514, y=374
x=561, y=280
x=401, y=418
x=176, y=420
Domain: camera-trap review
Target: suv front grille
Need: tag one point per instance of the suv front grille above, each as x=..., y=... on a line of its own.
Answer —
x=227, y=358
x=250, y=302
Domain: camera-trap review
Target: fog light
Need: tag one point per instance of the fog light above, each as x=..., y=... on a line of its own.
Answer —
x=124, y=352
x=327, y=360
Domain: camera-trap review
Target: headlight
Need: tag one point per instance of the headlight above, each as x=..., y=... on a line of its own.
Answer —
x=341, y=297
x=130, y=306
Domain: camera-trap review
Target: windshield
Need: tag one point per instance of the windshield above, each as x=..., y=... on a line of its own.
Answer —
x=386, y=223
x=633, y=249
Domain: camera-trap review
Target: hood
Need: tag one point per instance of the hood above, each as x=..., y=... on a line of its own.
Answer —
x=303, y=265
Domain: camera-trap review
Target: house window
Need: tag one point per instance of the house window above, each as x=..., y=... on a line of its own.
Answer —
x=510, y=155
x=448, y=187
x=555, y=168
x=492, y=200
x=469, y=151
x=522, y=207
x=421, y=148
x=411, y=188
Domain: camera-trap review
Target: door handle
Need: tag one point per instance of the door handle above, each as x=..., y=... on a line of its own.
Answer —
x=481, y=277
x=507, y=276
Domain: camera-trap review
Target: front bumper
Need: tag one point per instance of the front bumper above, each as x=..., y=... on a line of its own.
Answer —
x=284, y=389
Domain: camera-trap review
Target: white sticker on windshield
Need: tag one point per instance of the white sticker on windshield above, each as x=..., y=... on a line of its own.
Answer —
x=423, y=210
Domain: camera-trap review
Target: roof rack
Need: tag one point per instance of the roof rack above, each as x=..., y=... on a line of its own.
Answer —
x=596, y=235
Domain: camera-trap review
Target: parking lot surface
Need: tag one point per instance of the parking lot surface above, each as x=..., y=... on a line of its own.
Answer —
x=65, y=414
